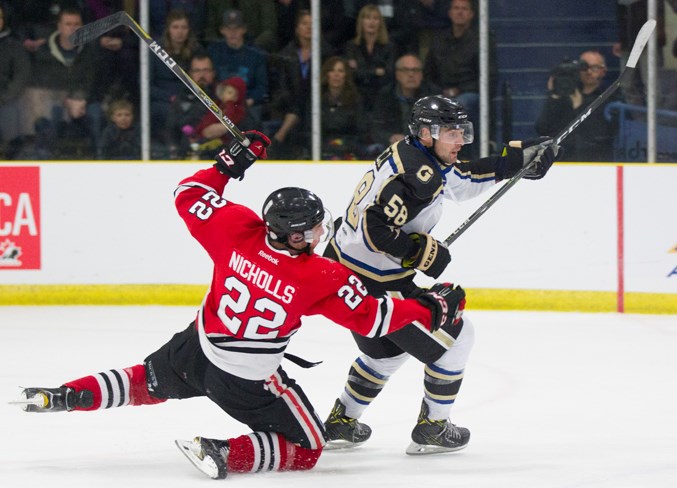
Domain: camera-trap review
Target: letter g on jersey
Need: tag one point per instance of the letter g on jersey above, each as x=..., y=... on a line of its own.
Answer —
x=424, y=173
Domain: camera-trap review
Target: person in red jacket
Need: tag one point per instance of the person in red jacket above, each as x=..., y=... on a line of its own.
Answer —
x=231, y=93
x=266, y=277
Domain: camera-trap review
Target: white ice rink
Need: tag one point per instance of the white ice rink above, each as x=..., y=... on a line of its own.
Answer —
x=552, y=400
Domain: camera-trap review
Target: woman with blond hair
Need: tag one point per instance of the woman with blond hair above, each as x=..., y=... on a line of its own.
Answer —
x=344, y=131
x=370, y=54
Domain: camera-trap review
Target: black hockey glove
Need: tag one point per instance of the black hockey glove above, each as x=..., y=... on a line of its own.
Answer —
x=234, y=160
x=446, y=301
x=518, y=154
x=428, y=255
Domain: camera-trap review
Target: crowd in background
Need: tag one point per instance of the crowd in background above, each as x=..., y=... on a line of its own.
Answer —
x=253, y=57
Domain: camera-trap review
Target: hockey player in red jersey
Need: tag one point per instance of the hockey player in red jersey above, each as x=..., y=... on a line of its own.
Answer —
x=265, y=278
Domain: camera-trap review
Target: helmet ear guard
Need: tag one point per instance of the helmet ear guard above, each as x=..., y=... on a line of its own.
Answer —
x=291, y=214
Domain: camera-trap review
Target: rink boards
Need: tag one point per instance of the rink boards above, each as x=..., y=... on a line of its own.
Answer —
x=587, y=237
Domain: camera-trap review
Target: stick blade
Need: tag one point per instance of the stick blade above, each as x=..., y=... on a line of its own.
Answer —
x=91, y=31
x=640, y=42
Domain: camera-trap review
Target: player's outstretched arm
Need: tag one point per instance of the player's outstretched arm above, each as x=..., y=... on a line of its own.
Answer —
x=446, y=301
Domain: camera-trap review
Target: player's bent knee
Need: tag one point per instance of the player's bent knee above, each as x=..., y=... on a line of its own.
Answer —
x=456, y=357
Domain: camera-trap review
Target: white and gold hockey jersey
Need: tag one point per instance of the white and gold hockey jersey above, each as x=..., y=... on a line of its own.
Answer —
x=402, y=193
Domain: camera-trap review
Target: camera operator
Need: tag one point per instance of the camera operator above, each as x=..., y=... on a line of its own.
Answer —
x=571, y=87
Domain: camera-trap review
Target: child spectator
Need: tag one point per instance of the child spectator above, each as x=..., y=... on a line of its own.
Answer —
x=211, y=133
x=121, y=139
x=74, y=138
x=231, y=94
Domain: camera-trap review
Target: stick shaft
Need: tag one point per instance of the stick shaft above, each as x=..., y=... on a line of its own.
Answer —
x=95, y=29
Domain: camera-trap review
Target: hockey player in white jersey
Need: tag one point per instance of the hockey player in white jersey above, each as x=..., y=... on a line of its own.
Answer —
x=384, y=237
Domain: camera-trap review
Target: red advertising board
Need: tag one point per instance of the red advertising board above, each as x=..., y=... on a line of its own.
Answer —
x=19, y=217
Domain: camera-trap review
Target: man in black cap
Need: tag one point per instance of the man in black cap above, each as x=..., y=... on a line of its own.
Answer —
x=232, y=57
x=259, y=16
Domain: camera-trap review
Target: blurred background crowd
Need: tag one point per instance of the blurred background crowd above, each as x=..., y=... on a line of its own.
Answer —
x=547, y=60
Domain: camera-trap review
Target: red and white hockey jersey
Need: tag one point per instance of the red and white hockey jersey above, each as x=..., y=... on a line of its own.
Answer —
x=258, y=293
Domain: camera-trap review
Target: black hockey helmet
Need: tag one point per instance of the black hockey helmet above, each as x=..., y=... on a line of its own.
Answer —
x=437, y=111
x=293, y=210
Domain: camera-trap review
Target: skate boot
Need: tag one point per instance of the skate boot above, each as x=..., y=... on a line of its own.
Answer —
x=344, y=432
x=208, y=455
x=61, y=399
x=433, y=436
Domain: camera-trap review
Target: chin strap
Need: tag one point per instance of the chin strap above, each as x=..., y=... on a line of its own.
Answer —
x=305, y=250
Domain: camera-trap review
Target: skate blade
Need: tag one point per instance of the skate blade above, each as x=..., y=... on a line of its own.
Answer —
x=39, y=401
x=193, y=452
x=416, y=449
x=340, y=444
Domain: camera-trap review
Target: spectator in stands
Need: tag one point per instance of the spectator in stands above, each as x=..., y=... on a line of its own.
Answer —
x=344, y=130
x=418, y=22
x=14, y=76
x=289, y=121
x=73, y=134
x=121, y=139
x=180, y=43
x=232, y=57
x=231, y=95
x=453, y=63
x=593, y=139
x=58, y=67
x=394, y=102
x=33, y=21
x=259, y=17
x=196, y=10
x=370, y=54
x=286, y=12
x=117, y=63
x=338, y=21
x=186, y=110
x=631, y=16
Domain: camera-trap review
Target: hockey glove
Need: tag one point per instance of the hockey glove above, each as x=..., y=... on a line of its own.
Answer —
x=234, y=160
x=428, y=255
x=446, y=302
x=542, y=151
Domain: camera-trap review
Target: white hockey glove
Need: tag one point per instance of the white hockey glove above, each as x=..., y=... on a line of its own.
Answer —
x=446, y=301
x=518, y=154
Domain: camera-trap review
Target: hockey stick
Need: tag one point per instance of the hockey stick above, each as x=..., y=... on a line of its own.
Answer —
x=91, y=31
x=641, y=40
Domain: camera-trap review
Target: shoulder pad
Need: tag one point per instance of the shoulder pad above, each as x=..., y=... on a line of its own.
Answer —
x=417, y=171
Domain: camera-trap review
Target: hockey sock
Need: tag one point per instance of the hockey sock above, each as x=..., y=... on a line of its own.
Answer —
x=268, y=451
x=441, y=387
x=116, y=388
x=366, y=379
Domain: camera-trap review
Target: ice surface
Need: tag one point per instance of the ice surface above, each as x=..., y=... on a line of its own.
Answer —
x=552, y=400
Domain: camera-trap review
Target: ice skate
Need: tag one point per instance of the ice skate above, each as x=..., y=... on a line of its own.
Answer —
x=208, y=455
x=61, y=399
x=435, y=436
x=344, y=432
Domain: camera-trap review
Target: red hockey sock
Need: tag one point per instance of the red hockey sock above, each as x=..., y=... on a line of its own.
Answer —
x=116, y=388
x=268, y=451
